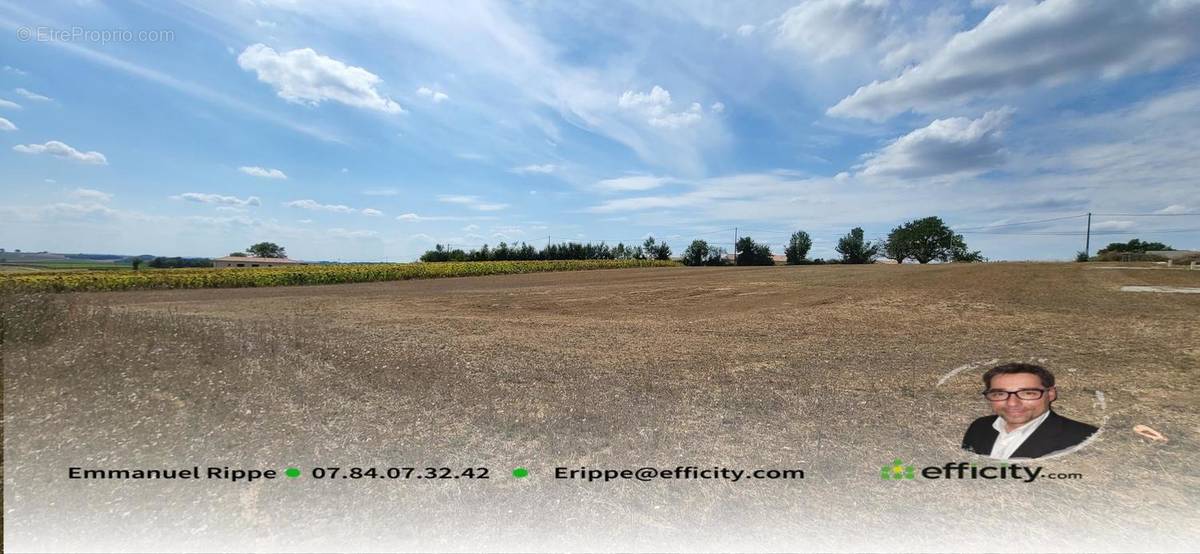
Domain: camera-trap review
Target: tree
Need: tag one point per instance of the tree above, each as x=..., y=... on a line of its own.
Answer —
x=1135, y=245
x=267, y=250
x=798, y=247
x=700, y=253
x=962, y=255
x=137, y=263
x=657, y=251
x=926, y=240
x=237, y=254
x=753, y=253
x=855, y=250
x=1081, y=256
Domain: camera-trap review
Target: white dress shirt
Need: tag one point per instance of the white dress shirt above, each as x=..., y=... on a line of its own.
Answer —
x=1009, y=441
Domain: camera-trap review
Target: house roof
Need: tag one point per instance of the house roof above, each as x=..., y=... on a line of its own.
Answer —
x=256, y=260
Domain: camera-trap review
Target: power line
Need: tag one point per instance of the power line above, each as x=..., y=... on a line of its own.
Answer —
x=1015, y=223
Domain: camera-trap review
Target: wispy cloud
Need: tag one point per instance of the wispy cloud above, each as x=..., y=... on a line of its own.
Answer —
x=470, y=201
x=218, y=199
x=268, y=173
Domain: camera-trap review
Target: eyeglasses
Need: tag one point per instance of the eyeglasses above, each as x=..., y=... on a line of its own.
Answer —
x=996, y=395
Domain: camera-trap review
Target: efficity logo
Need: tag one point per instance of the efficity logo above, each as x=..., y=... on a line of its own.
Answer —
x=899, y=471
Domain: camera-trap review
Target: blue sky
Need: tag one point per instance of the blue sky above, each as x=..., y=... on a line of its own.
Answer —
x=370, y=130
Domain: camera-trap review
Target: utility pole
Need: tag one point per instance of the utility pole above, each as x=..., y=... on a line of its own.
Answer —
x=1087, y=243
x=735, y=261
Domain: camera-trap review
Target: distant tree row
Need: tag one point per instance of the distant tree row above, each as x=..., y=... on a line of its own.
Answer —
x=651, y=249
x=922, y=240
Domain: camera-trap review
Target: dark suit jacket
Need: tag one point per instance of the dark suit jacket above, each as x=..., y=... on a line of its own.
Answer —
x=1054, y=434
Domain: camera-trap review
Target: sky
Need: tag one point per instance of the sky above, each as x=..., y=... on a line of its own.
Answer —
x=367, y=130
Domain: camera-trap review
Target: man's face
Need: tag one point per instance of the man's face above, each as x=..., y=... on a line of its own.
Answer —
x=1017, y=412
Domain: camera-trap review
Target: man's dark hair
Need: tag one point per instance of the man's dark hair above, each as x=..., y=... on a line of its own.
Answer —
x=1007, y=369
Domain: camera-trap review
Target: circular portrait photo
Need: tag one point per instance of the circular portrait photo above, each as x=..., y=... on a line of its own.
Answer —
x=1023, y=423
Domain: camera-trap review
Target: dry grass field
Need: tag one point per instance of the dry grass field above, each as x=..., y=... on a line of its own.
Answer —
x=832, y=369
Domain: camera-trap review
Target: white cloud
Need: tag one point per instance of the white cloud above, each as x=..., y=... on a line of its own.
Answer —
x=633, y=182
x=678, y=119
x=265, y=24
x=32, y=95
x=535, y=168
x=1026, y=44
x=437, y=96
x=339, y=233
x=90, y=194
x=1174, y=209
x=15, y=71
x=382, y=192
x=6, y=125
x=473, y=202
x=471, y=228
x=717, y=107
x=9, y=104
x=218, y=199
x=371, y=212
x=306, y=77
x=957, y=145
x=267, y=173
x=825, y=30
x=64, y=151
x=313, y=205
x=746, y=30
x=655, y=107
x=654, y=101
x=1113, y=225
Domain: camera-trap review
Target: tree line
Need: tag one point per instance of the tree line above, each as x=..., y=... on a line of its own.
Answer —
x=651, y=249
x=921, y=240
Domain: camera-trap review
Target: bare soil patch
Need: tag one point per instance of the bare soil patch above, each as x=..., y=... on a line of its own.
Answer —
x=833, y=369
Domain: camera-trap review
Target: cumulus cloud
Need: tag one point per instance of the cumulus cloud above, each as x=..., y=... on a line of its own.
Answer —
x=1026, y=44
x=32, y=95
x=535, y=168
x=64, y=151
x=655, y=107
x=6, y=125
x=218, y=199
x=371, y=212
x=633, y=182
x=746, y=30
x=267, y=173
x=473, y=202
x=824, y=30
x=305, y=77
x=436, y=96
x=90, y=194
x=9, y=104
x=957, y=145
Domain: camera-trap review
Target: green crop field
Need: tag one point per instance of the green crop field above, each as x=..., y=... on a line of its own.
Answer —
x=283, y=276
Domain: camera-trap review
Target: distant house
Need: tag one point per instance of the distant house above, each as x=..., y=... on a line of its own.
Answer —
x=1174, y=254
x=251, y=261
